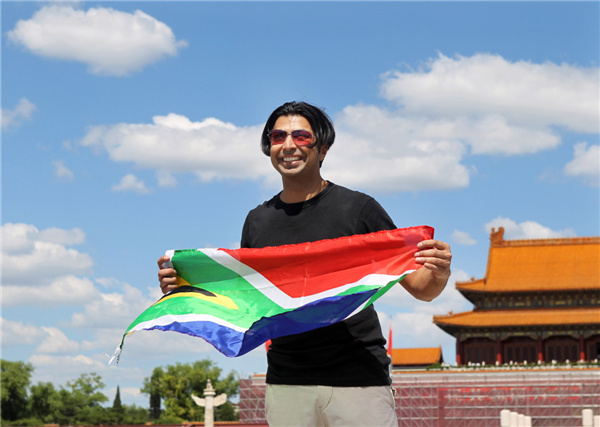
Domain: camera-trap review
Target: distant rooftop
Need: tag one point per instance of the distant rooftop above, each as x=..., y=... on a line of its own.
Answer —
x=565, y=264
x=416, y=356
x=522, y=317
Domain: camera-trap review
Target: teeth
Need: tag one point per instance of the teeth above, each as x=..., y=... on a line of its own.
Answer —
x=290, y=159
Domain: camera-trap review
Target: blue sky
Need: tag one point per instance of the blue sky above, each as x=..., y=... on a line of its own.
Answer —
x=131, y=128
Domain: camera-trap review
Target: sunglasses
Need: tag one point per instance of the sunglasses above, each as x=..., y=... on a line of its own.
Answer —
x=302, y=138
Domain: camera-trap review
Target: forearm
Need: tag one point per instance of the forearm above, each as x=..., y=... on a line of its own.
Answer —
x=424, y=284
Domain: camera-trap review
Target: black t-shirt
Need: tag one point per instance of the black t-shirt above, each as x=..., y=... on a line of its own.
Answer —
x=350, y=353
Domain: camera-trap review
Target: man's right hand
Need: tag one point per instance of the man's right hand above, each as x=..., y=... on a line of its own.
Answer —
x=166, y=276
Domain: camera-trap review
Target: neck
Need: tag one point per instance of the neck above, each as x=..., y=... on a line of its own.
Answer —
x=294, y=192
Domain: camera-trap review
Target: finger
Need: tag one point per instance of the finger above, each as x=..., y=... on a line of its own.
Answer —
x=434, y=254
x=432, y=243
x=434, y=260
x=162, y=260
x=165, y=288
x=167, y=273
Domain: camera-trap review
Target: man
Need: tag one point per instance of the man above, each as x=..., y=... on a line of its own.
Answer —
x=339, y=374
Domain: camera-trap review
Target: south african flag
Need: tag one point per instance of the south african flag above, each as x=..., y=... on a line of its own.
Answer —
x=238, y=299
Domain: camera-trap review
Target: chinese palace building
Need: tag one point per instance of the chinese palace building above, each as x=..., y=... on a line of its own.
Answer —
x=539, y=302
x=415, y=358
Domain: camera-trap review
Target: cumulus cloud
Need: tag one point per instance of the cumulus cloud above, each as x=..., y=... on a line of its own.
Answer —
x=463, y=238
x=382, y=150
x=63, y=291
x=585, y=163
x=18, y=333
x=110, y=310
x=160, y=345
x=483, y=104
x=47, y=365
x=412, y=320
x=109, y=41
x=61, y=171
x=484, y=85
x=12, y=119
x=130, y=182
x=33, y=257
x=449, y=299
x=526, y=230
x=56, y=342
x=419, y=330
x=40, y=269
x=211, y=149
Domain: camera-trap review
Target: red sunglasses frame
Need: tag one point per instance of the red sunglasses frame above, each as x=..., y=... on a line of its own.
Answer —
x=296, y=134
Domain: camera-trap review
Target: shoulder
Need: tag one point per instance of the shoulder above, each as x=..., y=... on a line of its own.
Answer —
x=267, y=204
x=339, y=191
x=367, y=214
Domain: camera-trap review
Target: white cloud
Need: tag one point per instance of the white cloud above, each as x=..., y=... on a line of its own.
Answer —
x=211, y=149
x=526, y=230
x=117, y=309
x=449, y=299
x=463, y=238
x=17, y=333
x=47, y=366
x=12, y=119
x=479, y=105
x=56, y=342
x=585, y=163
x=524, y=93
x=63, y=291
x=108, y=41
x=131, y=183
x=381, y=150
x=39, y=269
x=160, y=345
x=61, y=171
x=412, y=320
x=33, y=257
x=419, y=330
x=60, y=236
x=166, y=179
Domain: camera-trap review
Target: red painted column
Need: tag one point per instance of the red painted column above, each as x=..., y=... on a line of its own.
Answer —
x=499, y=350
x=458, y=351
x=581, y=348
x=540, y=349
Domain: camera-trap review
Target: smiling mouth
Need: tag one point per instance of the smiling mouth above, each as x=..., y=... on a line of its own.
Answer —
x=291, y=159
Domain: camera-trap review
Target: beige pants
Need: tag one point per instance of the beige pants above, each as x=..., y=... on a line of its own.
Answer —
x=322, y=406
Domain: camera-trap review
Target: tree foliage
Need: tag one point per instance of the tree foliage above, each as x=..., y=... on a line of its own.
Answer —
x=80, y=401
x=175, y=385
x=16, y=377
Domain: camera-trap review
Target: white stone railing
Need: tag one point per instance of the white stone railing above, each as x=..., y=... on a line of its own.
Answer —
x=509, y=418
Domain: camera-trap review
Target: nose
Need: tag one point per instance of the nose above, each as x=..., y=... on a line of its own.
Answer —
x=289, y=143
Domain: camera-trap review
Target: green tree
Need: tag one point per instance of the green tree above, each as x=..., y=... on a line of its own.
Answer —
x=117, y=406
x=82, y=404
x=152, y=387
x=41, y=397
x=117, y=411
x=176, y=384
x=16, y=377
x=226, y=412
x=133, y=414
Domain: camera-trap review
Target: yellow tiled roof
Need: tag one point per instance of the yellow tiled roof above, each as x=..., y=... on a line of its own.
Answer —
x=528, y=317
x=416, y=356
x=536, y=265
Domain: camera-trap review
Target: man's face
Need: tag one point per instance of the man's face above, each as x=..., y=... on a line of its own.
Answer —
x=292, y=161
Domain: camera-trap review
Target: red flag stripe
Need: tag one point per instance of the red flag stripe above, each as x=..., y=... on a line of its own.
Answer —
x=336, y=262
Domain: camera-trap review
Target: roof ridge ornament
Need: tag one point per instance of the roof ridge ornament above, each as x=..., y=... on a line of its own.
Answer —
x=497, y=237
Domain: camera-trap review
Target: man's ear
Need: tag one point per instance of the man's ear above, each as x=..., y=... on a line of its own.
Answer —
x=323, y=153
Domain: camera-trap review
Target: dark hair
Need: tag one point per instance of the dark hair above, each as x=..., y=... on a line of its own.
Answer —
x=319, y=122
